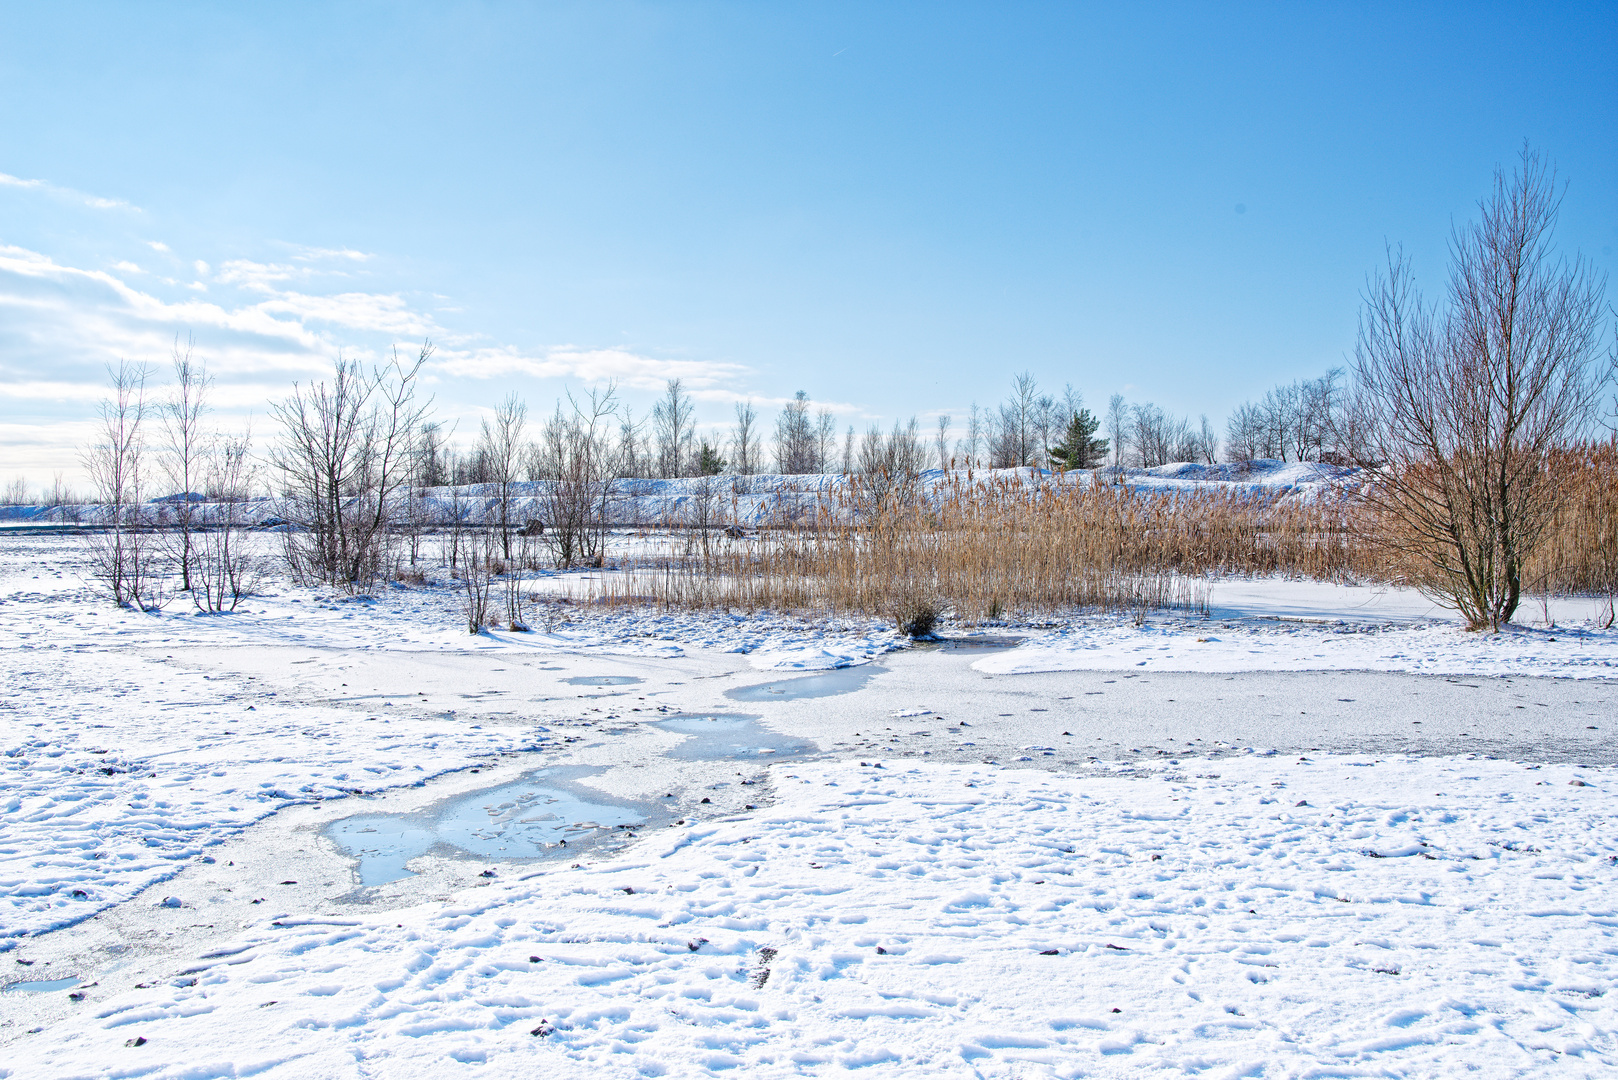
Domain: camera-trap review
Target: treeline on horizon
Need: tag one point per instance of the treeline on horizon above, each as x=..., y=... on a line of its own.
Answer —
x=1291, y=422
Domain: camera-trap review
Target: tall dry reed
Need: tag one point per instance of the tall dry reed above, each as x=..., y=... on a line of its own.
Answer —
x=982, y=550
x=1579, y=553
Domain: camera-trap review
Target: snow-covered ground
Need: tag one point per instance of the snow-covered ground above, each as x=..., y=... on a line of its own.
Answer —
x=916, y=895
x=1341, y=916
x=1277, y=625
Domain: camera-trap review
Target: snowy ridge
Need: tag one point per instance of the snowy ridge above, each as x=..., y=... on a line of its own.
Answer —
x=769, y=498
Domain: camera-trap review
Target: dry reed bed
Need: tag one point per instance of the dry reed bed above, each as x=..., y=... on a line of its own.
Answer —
x=985, y=550
x=1579, y=553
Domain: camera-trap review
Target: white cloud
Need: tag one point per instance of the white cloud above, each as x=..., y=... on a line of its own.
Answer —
x=157, y=245
x=48, y=188
x=264, y=277
x=202, y=267
x=376, y=312
x=63, y=323
x=60, y=326
x=258, y=276
x=702, y=377
x=314, y=254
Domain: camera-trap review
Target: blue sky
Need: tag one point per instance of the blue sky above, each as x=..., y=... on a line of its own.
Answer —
x=891, y=206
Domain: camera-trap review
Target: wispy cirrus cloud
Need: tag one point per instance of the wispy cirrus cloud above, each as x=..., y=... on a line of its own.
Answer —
x=45, y=187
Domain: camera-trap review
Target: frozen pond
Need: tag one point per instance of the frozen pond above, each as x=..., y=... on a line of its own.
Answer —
x=603, y=680
x=827, y=684
x=547, y=812
x=40, y=986
x=526, y=819
x=730, y=736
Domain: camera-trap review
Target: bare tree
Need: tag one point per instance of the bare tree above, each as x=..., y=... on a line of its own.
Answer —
x=500, y=446
x=972, y=444
x=1207, y=442
x=634, y=459
x=477, y=579
x=941, y=440
x=890, y=466
x=120, y=553
x=671, y=424
x=433, y=464
x=348, y=447
x=227, y=570
x=577, y=462
x=825, y=439
x=1117, y=427
x=1048, y=422
x=183, y=452
x=1015, y=438
x=16, y=492
x=514, y=581
x=744, y=448
x=1464, y=402
x=1244, y=433
x=795, y=437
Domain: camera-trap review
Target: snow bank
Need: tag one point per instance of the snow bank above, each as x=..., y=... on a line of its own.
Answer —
x=1250, y=916
x=1436, y=648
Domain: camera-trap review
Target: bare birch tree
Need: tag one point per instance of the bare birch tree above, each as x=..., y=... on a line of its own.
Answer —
x=795, y=437
x=120, y=553
x=744, y=448
x=184, y=452
x=825, y=439
x=1117, y=427
x=500, y=446
x=671, y=424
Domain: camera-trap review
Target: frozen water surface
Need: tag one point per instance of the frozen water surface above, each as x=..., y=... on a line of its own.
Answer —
x=527, y=819
x=731, y=735
x=603, y=680
x=40, y=986
x=383, y=844
x=840, y=681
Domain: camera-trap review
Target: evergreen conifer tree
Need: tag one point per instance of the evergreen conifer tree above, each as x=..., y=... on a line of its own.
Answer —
x=1079, y=448
x=709, y=463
